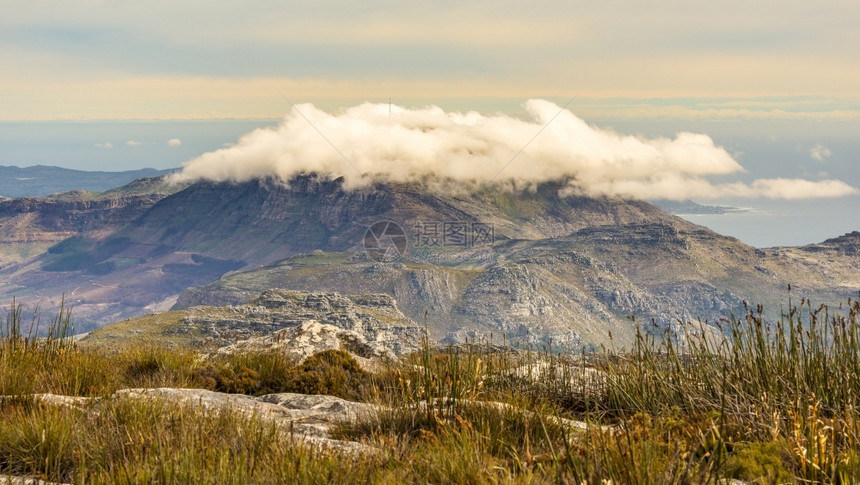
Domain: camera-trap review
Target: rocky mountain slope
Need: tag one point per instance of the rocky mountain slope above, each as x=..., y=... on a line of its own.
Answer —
x=299, y=323
x=576, y=290
x=35, y=219
x=522, y=264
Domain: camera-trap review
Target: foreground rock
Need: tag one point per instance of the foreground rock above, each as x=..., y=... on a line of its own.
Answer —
x=573, y=377
x=18, y=480
x=308, y=418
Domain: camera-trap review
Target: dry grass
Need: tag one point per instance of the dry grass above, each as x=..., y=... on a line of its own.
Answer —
x=769, y=401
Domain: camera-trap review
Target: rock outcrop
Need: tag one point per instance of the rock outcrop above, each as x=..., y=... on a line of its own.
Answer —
x=305, y=340
x=302, y=324
x=308, y=418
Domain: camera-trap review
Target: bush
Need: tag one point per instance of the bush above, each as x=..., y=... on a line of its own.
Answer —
x=332, y=372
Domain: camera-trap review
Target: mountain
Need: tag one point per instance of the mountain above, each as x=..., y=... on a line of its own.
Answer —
x=576, y=289
x=41, y=180
x=524, y=264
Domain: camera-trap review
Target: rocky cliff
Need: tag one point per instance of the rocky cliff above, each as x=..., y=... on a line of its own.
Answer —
x=45, y=219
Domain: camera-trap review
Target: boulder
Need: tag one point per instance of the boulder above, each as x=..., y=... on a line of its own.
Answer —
x=308, y=418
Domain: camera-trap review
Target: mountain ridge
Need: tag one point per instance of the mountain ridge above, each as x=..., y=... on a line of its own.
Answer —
x=571, y=269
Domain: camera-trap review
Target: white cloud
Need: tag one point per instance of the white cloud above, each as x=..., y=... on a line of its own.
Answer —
x=174, y=142
x=674, y=186
x=365, y=143
x=133, y=143
x=781, y=188
x=106, y=144
x=820, y=152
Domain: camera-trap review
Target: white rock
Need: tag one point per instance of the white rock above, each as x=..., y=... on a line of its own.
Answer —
x=311, y=337
x=309, y=418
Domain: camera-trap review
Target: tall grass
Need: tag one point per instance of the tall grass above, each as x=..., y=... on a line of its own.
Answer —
x=793, y=381
x=133, y=441
x=774, y=401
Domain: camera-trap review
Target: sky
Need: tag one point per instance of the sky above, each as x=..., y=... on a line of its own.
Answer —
x=768, y=89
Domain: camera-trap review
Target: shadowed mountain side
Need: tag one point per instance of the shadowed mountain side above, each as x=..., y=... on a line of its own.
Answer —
x=265, y=220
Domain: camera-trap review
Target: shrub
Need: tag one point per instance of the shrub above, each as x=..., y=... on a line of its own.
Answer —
x=333, y=372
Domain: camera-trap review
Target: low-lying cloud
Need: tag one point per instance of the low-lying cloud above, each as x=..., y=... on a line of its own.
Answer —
x=373, y=142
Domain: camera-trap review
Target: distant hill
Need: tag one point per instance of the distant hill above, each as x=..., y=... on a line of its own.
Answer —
x=40, y=180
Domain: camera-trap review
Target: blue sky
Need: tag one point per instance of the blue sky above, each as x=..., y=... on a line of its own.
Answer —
x=106, y=84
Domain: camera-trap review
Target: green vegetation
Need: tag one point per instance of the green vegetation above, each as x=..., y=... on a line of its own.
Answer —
x=774, y=402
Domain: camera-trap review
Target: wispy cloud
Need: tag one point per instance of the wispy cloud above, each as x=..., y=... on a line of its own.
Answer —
x=106, y=144
x=368, y=142
x=174, y=142
x=820, y=152
x=133, y=144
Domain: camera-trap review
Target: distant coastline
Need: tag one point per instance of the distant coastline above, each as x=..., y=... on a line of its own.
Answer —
x=688, y=207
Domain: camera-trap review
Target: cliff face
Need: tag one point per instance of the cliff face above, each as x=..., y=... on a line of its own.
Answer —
x=375, y=317
x=41, y=219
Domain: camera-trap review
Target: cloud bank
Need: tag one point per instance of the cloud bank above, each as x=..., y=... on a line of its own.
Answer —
x=373, y=142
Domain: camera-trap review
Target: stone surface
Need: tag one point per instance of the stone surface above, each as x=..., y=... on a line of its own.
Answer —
x=24, y=480
x=308, y=418
x=574, y=376
x=570, y=424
